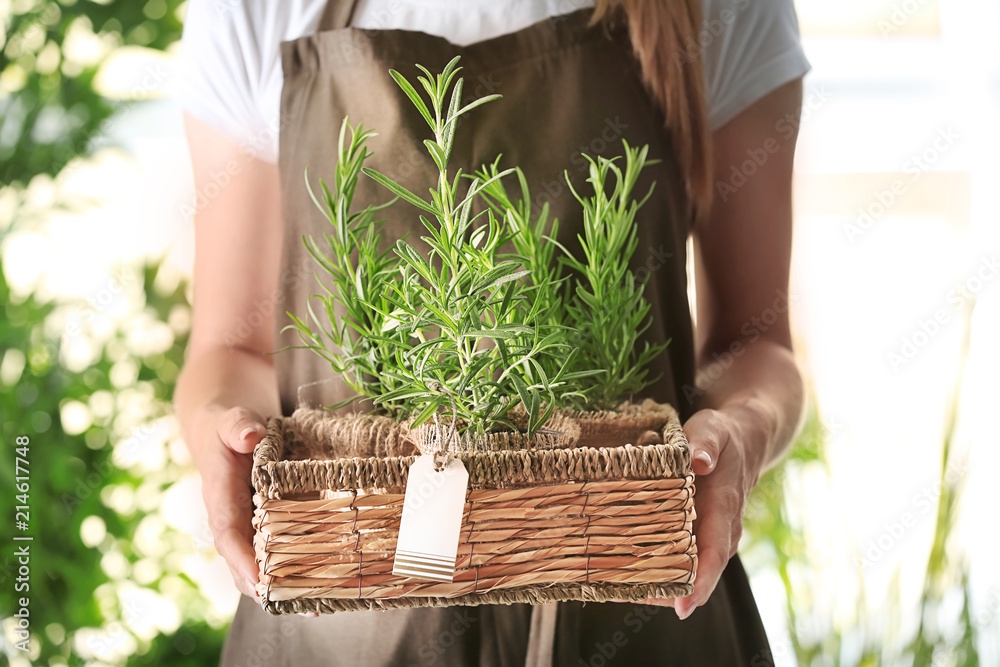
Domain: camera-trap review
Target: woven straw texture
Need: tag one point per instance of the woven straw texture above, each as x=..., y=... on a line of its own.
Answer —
x=539, y=525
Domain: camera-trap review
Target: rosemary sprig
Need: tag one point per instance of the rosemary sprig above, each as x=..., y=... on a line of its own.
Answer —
x=532, y=240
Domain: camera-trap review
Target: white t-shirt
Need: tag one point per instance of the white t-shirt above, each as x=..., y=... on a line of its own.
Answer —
x=232, y=68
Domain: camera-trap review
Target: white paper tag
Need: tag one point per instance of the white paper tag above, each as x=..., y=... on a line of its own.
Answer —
x=432, y=518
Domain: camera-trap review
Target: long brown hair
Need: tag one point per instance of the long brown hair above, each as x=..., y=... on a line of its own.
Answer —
x=664, y=37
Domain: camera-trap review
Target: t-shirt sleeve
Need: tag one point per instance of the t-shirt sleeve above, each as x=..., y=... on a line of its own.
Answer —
x=218, y=77
x=750, y=48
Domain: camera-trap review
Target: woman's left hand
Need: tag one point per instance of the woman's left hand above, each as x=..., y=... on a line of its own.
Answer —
x=727, y=448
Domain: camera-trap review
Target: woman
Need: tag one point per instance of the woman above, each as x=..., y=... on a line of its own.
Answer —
x=568, y=88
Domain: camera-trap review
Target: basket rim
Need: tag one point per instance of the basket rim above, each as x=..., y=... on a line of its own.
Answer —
x=274, y=476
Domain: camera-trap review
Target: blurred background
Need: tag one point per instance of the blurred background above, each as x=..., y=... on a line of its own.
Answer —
x=874, y=543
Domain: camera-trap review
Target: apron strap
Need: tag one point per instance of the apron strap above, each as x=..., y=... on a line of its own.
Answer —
x=542, y=635
x=336, y=15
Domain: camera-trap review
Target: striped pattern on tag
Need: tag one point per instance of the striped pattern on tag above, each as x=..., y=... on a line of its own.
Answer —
x=423, y=566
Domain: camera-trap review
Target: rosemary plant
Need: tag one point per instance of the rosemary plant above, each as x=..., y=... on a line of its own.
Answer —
x=359, y=272
x=607, y=306
x=603, y=303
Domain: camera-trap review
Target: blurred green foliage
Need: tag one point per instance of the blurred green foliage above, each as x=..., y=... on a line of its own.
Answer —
x=96, y=472
x=103, y=597
x=945, y=634
x=50, y=111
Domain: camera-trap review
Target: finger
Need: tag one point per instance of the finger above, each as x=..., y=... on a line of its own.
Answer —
x=715, y=543
x=229, y=543
x=234, y=544
x=707, y=437
x=711, y=563
x=241, y=429
x=230, y=509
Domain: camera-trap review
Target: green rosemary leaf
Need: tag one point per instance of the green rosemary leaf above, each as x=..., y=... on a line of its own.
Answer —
x=413, y=95
x=500, y=331
x=399, y=395
x=502, y=273
x=448, y=73
x=413, y=258
x=472, y=105
x=427, y=412
x=437, y=154
x=344, y=403
x=522, y=389
x=534, y=406
x=397, y=189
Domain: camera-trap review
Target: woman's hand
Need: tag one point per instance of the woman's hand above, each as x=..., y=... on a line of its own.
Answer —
x=225, y=457
x=727, y=457
x=727, y=448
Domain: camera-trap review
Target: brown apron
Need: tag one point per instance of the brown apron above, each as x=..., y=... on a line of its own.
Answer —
x=566, y=89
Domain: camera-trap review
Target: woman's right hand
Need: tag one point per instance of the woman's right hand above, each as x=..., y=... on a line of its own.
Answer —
x=225, y=457
x=238, y=239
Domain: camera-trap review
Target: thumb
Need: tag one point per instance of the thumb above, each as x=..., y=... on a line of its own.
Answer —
x=241, y=429
x=707, y=438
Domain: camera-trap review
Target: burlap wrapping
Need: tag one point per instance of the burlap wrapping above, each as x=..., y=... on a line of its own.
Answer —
x=321, y=435
x=318, y=434
x=558, y=431
x=631, y=424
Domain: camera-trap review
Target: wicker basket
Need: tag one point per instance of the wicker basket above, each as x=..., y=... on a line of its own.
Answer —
x=539, y=525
